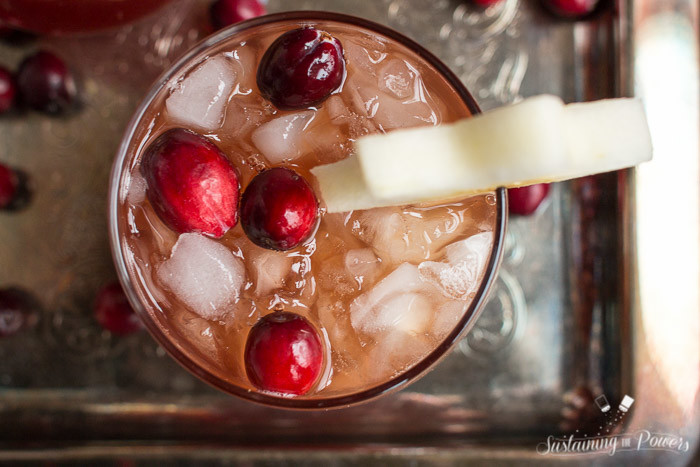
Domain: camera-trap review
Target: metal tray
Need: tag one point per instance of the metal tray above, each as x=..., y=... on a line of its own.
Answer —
x=566, y=322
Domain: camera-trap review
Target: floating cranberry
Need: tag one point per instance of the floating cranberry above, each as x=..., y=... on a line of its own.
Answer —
x=283, y=354
x=18, y=310
x=113, y=311
x=526, y=199
x=227, y=12
x=302, y=67
x=46, y=84
x=191, y=184
x=8, y=90
x=571, y=8
x=279, y=210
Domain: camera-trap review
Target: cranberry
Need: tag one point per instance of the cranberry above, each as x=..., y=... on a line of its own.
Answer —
x=571, y=8
x=191, y=184
x=113, y=311
x=46, y=84
x=18, y=310
x=227, y=12
x=283, y=353
x=14, y=189
x=525, y=200
x=9, y=186
x=302, y=67
x=486, y=3
x=8, y=90
x=278, y=209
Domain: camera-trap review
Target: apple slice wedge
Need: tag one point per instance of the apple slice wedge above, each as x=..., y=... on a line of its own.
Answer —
x=537, y=140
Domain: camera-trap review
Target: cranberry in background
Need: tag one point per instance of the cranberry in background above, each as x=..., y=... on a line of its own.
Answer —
x=18, y=310
x=14, y=189
x=227, y=12
x=486, y=3
x=113, y=311
x=8, y=90
x=525, y=200
x=571, y=9
x=46, y=84
x=9, y=185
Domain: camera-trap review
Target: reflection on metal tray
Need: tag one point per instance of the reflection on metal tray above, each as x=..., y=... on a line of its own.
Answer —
x=557, y=332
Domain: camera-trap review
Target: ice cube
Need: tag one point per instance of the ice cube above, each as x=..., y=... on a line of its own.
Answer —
x=345, y=346
x=198, y=100
x=384, y=230
x=446, y=318
x=137, y=189
x=399, y=301
x=363, y=56
x=409, y=313
x=391, y=113
x=362, y=264
x=394, y=353
x=332, y=277
x=459, y=277
x=280, y=139
x=478, y=245
x=336, y=109
x=243, y=61
x=324, y=143
x=242, y=118
x=202, y=274
x=385, y=110
x=397, y=78
x=269, y=270
x=198, y=331
x=410, y=234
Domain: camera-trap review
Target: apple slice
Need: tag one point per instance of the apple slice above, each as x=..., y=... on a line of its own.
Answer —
x=537, y=140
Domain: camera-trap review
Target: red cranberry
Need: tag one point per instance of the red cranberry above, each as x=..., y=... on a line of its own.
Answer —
x=227, y=12
x=486, y=3
x=525, y=200
x=302, y=67
x=191, y=184
x=278, y=209
x=283, y=354
x=113, y=311
x=571, y=8
x=14, y=189
x=8, y=90
x=9, y=185
x=18, y=310
x=46, y=84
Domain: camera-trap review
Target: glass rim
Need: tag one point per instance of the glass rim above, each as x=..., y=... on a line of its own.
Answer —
x=393, y=384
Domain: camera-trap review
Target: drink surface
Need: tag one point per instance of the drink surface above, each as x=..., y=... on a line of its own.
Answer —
x=384, y=286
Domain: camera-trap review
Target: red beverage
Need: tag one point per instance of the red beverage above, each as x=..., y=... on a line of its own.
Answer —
x=387, y=290
x=68, y=16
